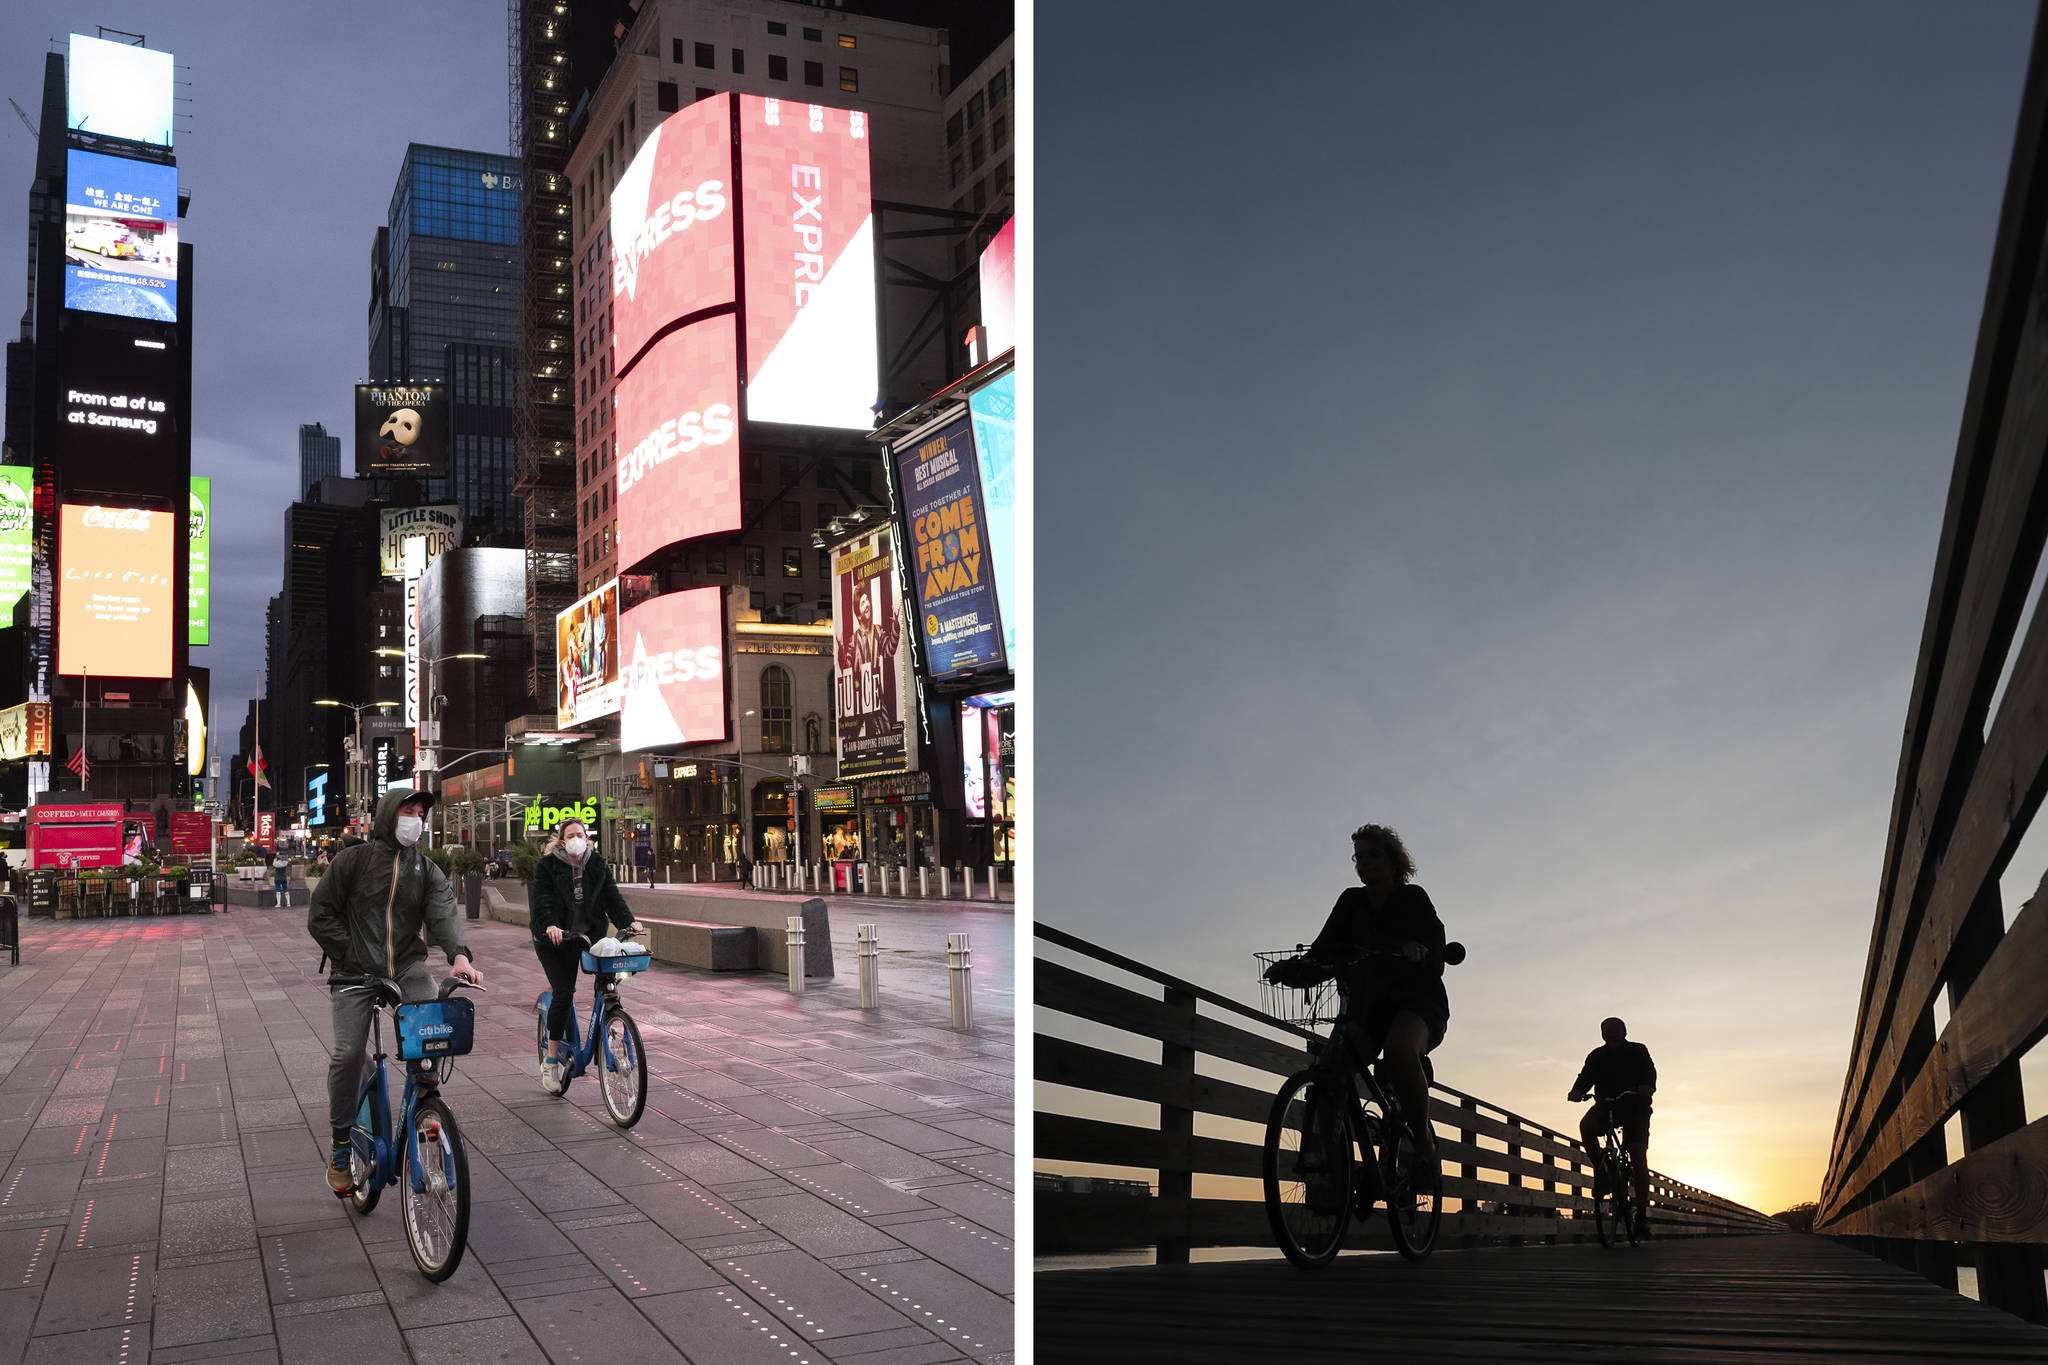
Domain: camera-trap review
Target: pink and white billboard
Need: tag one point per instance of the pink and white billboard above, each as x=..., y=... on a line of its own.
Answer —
x=672, y=670
x=809, y=257
x=672, y=227
x=999, y=290
x=678, y=465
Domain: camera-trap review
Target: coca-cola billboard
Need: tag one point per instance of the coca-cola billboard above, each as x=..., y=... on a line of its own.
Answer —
x=116, y=612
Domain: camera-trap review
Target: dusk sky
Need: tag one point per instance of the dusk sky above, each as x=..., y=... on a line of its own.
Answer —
x=1528, y=426
x=295, y=129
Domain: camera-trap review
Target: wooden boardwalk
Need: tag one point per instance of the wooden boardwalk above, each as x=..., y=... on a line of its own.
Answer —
x=1759, y=1300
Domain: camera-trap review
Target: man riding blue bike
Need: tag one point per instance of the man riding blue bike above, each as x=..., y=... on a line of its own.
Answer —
x=368, y=915
x=1622, y=1077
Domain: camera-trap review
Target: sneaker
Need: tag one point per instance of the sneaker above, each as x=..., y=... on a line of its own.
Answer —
x=340, y=1178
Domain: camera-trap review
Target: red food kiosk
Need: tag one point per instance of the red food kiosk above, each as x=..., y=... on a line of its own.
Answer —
x=75, y=834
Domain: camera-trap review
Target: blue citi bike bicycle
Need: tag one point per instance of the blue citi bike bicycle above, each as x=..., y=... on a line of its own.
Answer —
x=429, y=1165
x=1336, y=1140
x=612, y=1040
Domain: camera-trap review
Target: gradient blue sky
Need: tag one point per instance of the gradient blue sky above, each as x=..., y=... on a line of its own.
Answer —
x=1528, y=426
x=296, y=128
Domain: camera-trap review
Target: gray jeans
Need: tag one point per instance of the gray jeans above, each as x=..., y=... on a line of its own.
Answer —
x=351, y=1039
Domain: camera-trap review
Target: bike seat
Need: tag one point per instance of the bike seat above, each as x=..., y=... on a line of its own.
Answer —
x=383, y=989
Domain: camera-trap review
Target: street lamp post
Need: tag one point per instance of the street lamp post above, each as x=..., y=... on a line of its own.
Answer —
x=430, y=719
x=355, y=792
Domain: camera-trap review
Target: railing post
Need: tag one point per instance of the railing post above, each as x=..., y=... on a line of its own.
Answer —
x=960, y=971
x=796, y=954
x=1176, y=1132
x=1469, y=1137
x=2008, y=1276
x=869, y=953
x=1514, y=1179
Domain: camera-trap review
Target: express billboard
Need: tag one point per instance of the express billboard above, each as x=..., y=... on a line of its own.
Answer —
x=438, y=526
x=672, y=670
x=198, y=561
x=678, y=457
x=867, y=648
x=672, y=227
x=120, y=236
x=956, y=596
x=992, y=411
x=17, y=527
x=118, y=90
x=587, y=657
x=807, y=251
x=115, y=572
x=402, y=428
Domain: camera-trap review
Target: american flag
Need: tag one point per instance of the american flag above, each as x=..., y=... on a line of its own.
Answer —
x=80, y=765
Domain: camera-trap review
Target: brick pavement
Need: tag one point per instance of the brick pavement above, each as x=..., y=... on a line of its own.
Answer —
x=810, y=1184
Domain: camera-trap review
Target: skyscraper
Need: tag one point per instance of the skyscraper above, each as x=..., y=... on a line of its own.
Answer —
x=445, y=306
x=319, y=457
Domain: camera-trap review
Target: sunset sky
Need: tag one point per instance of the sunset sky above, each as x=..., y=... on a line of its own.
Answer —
x=1529, y=427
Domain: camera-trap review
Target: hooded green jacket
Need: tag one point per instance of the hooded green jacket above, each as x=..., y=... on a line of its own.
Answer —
x=369, y=910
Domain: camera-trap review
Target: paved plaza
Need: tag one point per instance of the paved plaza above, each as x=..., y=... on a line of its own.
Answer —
x=811, y=1183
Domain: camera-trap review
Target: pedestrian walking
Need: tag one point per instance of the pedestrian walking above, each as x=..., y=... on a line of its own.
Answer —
x=284, y=880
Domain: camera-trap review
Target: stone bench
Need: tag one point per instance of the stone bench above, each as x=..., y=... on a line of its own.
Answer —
x=716, y=947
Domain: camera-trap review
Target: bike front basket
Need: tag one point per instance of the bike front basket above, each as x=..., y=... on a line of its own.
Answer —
x=436, y=1028
x=1304, y=1006
x=618, y=963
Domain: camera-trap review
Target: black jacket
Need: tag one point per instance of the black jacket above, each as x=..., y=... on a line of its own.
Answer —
x=552, y=898
x=368, y=912
x=1614, y=1067
x=1407, y=916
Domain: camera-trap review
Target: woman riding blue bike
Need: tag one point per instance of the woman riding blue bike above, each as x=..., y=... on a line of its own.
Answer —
x=573, y=894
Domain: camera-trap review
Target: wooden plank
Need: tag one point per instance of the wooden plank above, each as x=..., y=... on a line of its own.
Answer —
x=1997, y=1193
x=1063, y=1062
x=2004, y=1012
x=2001, y=802
x=1677, y=1301
x=1066, y=991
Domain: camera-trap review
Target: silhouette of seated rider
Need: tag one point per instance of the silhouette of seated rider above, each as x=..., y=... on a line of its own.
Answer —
x=1615, y=1067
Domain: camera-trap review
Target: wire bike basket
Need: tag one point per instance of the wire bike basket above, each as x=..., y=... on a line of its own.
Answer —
x=1303, y=1006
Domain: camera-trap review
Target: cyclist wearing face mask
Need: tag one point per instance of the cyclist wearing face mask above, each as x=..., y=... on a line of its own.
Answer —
x=368, y=915
x=573, y=893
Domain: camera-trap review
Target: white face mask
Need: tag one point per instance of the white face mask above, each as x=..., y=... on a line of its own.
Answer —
x=576, y=846
x=409, y=827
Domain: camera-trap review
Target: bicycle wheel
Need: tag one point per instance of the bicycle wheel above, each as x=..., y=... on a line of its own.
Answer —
x=362, y=1163
x=437, y=1211
x=1625, y=1176
x=624, y=1077
x=1610, y=1201
x=1309, y=1170
x=1414, y=1211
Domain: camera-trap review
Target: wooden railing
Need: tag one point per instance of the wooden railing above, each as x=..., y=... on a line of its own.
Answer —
x=1180, y=1048
x=1966, y=794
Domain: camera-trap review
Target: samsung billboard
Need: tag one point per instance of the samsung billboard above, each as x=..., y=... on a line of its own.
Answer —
x=120, y=236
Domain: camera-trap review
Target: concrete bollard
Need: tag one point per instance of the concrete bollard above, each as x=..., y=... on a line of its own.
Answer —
x=796, y=954
x=870, y=954
x=960, y=970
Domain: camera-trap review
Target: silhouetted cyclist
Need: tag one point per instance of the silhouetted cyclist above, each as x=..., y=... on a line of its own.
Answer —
x=1399, y=1003
x=1618, y=1065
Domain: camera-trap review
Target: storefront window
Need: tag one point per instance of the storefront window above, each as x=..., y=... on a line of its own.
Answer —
x=777, y=720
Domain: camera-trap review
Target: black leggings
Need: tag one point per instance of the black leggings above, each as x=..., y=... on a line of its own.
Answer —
x=564, y=967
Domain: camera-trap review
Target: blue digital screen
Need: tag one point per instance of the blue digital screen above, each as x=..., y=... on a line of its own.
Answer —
x=993, y=408
x=120, y=237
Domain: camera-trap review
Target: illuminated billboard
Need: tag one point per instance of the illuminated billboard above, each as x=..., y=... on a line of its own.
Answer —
x=115, y=572
x=671, y=228
x=999, y=290
x=678, y=453
x=118, y=90
x=439, y=528
x=120, y=236
x=402, y=428
x=587, y=657
x=949, y=553
x=672, y=670
x=198, y=561
x=808, y=254
x=17, y=525
x=867, y=651
x=992, y=410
